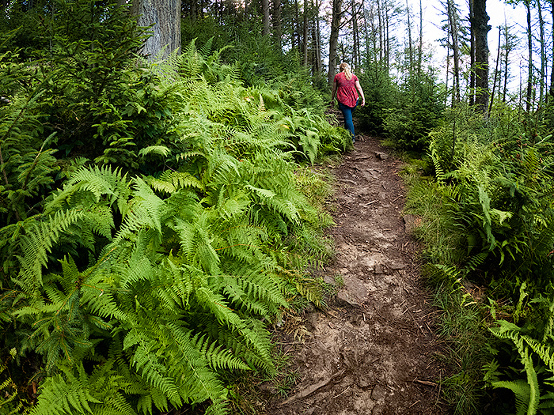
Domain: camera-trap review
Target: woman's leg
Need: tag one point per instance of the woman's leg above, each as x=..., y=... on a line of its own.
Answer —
x=348, y=123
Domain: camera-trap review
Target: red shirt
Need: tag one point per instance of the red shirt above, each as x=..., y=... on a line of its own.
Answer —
x=347, y=94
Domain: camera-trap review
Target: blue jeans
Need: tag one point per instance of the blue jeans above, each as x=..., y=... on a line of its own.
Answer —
x=347, y=112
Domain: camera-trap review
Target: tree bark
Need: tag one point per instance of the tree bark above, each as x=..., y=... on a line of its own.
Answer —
x=305, y=35
x=542, y=83
x=387, y=38
x=165, y=16
x=530, y=63
x=296, y=33
x=334, y=39
x=471, y=54
x=381, y=31
x=509, y=45
x=552, y=69
x=453, y=24
x=355, y=36
x=480, y=28
x=316, y=39
x=420, y=46
x=265, y=17
x=495, y=70
x=410, y=43
x=277, y=28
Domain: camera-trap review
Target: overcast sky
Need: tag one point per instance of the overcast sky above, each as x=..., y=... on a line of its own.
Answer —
x=498, y=12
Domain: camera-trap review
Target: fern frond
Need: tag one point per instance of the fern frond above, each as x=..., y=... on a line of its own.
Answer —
x=474, y=262
x=147, y=364
x=171, y=181
x=522, y=392
x=63, y=393
x=37, y=243
x=98, y=180
x=196, y=241
x=507, y=330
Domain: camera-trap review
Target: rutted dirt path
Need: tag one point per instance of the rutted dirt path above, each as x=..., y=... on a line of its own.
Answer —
x=372, y=351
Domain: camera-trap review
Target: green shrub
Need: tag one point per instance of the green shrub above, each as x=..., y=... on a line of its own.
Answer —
x=417, y=112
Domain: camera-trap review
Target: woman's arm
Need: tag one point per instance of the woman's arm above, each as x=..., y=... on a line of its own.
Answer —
x=359, y=88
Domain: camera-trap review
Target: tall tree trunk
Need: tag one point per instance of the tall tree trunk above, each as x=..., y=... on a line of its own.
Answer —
x=542, y=83
x=334, y=39
x=193, y=10
x=495, y=70
x=381, y=30
x=420, y=47
x=355, y=36
x=552, y=67
x=387, y=39
x=410, y=43
x=448, y=71
x=297, y=26
x=316, y=35
x=481, y=28
x=471, y=54
x=453, y=24
x=265, y=17
x=528, y=96
x=165, y=15
x=508, y=46
x=277, y=28
x=305, y=35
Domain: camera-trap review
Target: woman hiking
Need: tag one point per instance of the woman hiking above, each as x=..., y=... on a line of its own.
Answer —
x=346, y=87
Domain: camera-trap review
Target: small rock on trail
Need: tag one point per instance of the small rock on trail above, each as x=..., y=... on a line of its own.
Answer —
x=372, y=351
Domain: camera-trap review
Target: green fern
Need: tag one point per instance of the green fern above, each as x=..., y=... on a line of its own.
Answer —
x=75, y=391
x=527, y=391
x=159, y=284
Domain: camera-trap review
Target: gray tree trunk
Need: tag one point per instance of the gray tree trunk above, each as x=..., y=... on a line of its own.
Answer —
x=316, y=39
x=265, y=12
x=480, y=28
x=334, y=39
x=381, y=31
x=165, y=16
x=530, y=51
x=509, y=45
x=551, y=91
x=387, y=38
x=453, y=24
x=542, y=83
x=496, y=70
x=277, y=28
x=305, y=35
x=410, y=43
x=355, y=36
x=420, y=46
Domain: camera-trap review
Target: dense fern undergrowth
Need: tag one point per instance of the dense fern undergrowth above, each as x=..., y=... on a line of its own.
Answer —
x=152, y=221
x=488, y=224
x=155, y=217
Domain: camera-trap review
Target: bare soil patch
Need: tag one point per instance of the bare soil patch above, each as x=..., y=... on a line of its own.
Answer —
x=372, y=351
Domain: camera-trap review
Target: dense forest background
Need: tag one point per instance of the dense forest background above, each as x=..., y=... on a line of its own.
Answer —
x=158, y=211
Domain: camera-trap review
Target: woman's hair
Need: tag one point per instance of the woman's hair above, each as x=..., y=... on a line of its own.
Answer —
x=344, y=67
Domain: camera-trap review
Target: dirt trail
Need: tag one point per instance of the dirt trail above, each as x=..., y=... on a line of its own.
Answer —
x=372, y=351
